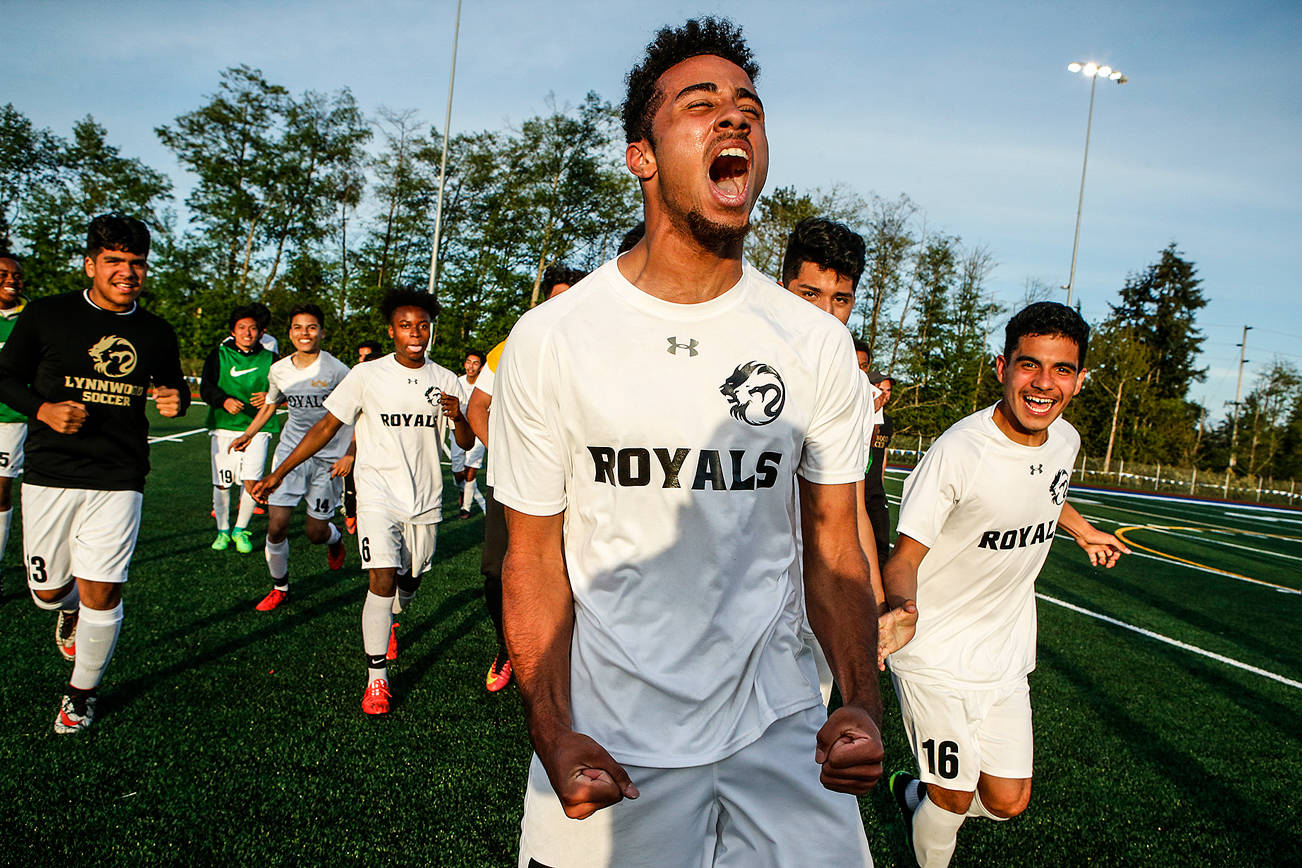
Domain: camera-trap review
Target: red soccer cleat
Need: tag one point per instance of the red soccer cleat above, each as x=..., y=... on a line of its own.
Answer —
x=350, y=524
x=392, y=652
x=335, y=555
x=498, y=676
x=376, y=698
x=272, y=600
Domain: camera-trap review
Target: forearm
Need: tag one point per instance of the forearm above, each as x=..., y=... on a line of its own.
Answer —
x=1073, y=522
x=462, y=433
x=477, y=416
x=900, y=581
x=538, y=617
x=265, y=412
x=868, y=543
x=208, y=391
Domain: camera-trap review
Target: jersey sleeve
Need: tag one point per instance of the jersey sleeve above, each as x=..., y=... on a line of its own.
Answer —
x=345, y=402
x=931, y=492
x=528, y=467
x=834, y=442
x=18, y=361
x=274, y=393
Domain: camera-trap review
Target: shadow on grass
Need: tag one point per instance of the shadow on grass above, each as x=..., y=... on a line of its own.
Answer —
x=1237, y=819
x=413, y=674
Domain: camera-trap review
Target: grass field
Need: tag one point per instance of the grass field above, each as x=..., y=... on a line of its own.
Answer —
x=228, y=736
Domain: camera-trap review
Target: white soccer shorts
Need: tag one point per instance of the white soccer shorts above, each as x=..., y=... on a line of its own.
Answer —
x=386, y=542
x=475, y=456
x=12, y=437
x=311, y=482
x=457, y=455
x=78, y=532
x=761, y=806
x=228, y=467
x=957, y=734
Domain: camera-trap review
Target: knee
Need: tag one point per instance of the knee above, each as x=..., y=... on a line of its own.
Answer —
x=1008, y=802
x=954, y=801
x=316, y=532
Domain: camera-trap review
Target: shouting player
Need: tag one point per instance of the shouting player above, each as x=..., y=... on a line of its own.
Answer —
x=13, y=425
x=650, y=430
x=301, y=381
x=398, y=405
x=79, y=366
x=977, y=518
x=234, y=386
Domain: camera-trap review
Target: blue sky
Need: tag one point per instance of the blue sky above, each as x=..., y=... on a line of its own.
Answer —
x=967, y=108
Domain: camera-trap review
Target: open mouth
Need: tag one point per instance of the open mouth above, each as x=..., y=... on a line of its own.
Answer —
x=728, y=174
x=1038, y=404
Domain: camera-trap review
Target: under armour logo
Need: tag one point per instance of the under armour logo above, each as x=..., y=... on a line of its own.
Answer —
x=413, y=381
x=690, y=346
x=1037, y=468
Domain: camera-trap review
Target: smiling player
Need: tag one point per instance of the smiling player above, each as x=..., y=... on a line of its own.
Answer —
x=977, y=518
x=302, y=381
x=652, y=613
x=399, y=405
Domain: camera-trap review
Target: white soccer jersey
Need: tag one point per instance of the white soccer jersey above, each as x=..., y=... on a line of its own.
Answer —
x=670, y=435
x=466, y=388
x=304, y=391
x=988, y=509
x=399, y=426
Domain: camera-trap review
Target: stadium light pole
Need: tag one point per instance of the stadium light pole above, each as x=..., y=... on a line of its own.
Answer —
x=1093, y=72
x=1238, y=393
x=443, y=163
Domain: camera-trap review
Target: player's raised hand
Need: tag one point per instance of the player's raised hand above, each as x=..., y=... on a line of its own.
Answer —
x=894, y=630
x=585, y=777
x=850, y=751
x=261, y=489
x=1103, y=549
x=343, y=466
x=168, y=401
x=232, y=405
x=65, y=417
x=451, y=405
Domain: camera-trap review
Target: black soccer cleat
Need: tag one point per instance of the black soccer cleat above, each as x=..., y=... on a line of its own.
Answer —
x=899, y=785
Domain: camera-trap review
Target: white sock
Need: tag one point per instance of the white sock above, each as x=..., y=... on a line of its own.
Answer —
x=246, y=509
x=479, y=499
x=5, y=518
x=913, y=794
x=97, y=636
x=402, y=599
x=335, y=535
x=277, y=555
x=935, y=832
x=468, y=495
x=377, y=617
x=221, y=504
x=978, y=809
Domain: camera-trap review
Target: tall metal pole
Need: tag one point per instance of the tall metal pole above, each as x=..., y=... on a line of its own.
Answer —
x=1238, y=392
x=443, y=164
x=1080, y=202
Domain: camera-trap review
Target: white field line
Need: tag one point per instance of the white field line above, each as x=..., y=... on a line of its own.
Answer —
x=1176, y=642
x=1225, y=544
x=172, y=438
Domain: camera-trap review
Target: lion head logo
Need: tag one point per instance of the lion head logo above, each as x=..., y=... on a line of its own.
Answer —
x=113, y=356
x=432, y=395
x=755, y=393
x=1058, y=488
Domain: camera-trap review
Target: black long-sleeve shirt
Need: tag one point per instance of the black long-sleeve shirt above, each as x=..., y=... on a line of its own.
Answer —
x=64, y=348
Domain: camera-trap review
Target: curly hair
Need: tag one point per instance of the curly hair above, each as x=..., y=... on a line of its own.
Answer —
x=1051, y=319
x=396, y=298
x=707, y=35
x=116, y=232
x=827, y=244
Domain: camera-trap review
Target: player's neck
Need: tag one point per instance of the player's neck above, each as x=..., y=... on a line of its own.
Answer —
x=305, y=360
x=1014, y=431
x=408, y=362
x=471, y=380
x=673, y=266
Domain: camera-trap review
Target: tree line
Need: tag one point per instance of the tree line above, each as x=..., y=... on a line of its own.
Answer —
x=304, y=196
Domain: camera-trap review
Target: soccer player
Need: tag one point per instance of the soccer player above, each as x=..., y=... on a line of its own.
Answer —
x=556, y=279
x=875, y=484
x=650, y=431
x=302, y=381
x=977, y=518
x=822, y=264
x=466, y=463
x=398, y=406
x=79, y=365
x=13, y=425
x=234, y=386
x=366, y=351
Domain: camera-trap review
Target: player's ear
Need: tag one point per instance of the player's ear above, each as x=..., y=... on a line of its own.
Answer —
x=1080, y=381
x=1000, y=364
x=90, y=268
x=390, y=331
x=640, y=159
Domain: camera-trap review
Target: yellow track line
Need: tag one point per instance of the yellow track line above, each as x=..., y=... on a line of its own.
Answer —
x=1121, y=534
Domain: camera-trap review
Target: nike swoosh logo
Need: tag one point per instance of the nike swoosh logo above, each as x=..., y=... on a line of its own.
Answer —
x=239, y=372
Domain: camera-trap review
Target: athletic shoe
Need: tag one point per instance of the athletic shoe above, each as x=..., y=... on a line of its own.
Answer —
x=392, y=652
x=258, y=510
x=376, y=698
x=243, y=542
x=272, y=600
x=65, y=634
x=465, y=513
x=335, y=555
x=69, y=721
x=498, y=676
x=899, y=785
x=223, y=541
x=350, y=524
